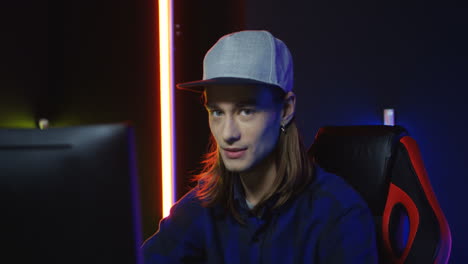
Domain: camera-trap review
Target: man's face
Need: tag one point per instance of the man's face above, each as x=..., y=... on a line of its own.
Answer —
x=245, y=122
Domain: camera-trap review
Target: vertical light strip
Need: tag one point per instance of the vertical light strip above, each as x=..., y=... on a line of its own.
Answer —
x=166, y=104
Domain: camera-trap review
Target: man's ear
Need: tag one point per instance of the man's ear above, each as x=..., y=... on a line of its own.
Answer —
x=289, y=108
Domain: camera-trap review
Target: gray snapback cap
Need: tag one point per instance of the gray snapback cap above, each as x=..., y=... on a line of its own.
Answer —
x=246, y=57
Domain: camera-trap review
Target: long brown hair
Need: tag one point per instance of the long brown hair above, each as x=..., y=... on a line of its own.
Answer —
x=294, y=172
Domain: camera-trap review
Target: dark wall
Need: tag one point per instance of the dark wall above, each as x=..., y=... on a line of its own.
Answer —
x=353, y=59
x=24, y=59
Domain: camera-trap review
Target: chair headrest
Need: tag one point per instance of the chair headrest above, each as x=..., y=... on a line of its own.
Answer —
x=361, y=155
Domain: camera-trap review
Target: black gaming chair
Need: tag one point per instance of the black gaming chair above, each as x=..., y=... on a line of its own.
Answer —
x=384, y=165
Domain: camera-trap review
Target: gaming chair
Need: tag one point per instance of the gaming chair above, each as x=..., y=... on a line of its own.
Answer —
x=384, y=165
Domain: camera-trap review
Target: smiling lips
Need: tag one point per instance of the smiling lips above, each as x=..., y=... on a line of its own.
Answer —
x=234, y=153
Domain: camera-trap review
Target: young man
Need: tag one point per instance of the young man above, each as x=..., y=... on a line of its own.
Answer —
x=259, y=199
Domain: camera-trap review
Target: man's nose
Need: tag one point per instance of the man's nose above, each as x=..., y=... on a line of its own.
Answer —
x=231, y=131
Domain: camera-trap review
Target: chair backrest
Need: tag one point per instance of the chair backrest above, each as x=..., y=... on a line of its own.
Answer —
x=384, y=165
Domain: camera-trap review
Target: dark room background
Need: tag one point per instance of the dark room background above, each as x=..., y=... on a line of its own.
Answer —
x=89, y=62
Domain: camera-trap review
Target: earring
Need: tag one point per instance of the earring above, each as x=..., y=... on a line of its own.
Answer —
x=283, y=129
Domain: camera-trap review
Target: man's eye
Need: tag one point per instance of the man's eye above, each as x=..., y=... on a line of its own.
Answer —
x=247, y=112
x=215, y=113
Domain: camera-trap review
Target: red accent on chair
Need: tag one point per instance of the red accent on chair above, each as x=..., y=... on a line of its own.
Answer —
x=396, y=196
x=417, y=162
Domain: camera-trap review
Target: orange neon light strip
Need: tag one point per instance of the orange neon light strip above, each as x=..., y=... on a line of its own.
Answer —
x=166, y=104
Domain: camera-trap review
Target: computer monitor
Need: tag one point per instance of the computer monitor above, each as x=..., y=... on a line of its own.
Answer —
x=69, y=195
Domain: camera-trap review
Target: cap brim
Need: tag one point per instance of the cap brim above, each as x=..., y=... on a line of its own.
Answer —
x=199, y=86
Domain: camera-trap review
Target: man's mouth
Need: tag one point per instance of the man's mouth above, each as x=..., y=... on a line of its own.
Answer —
x=234, y=153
